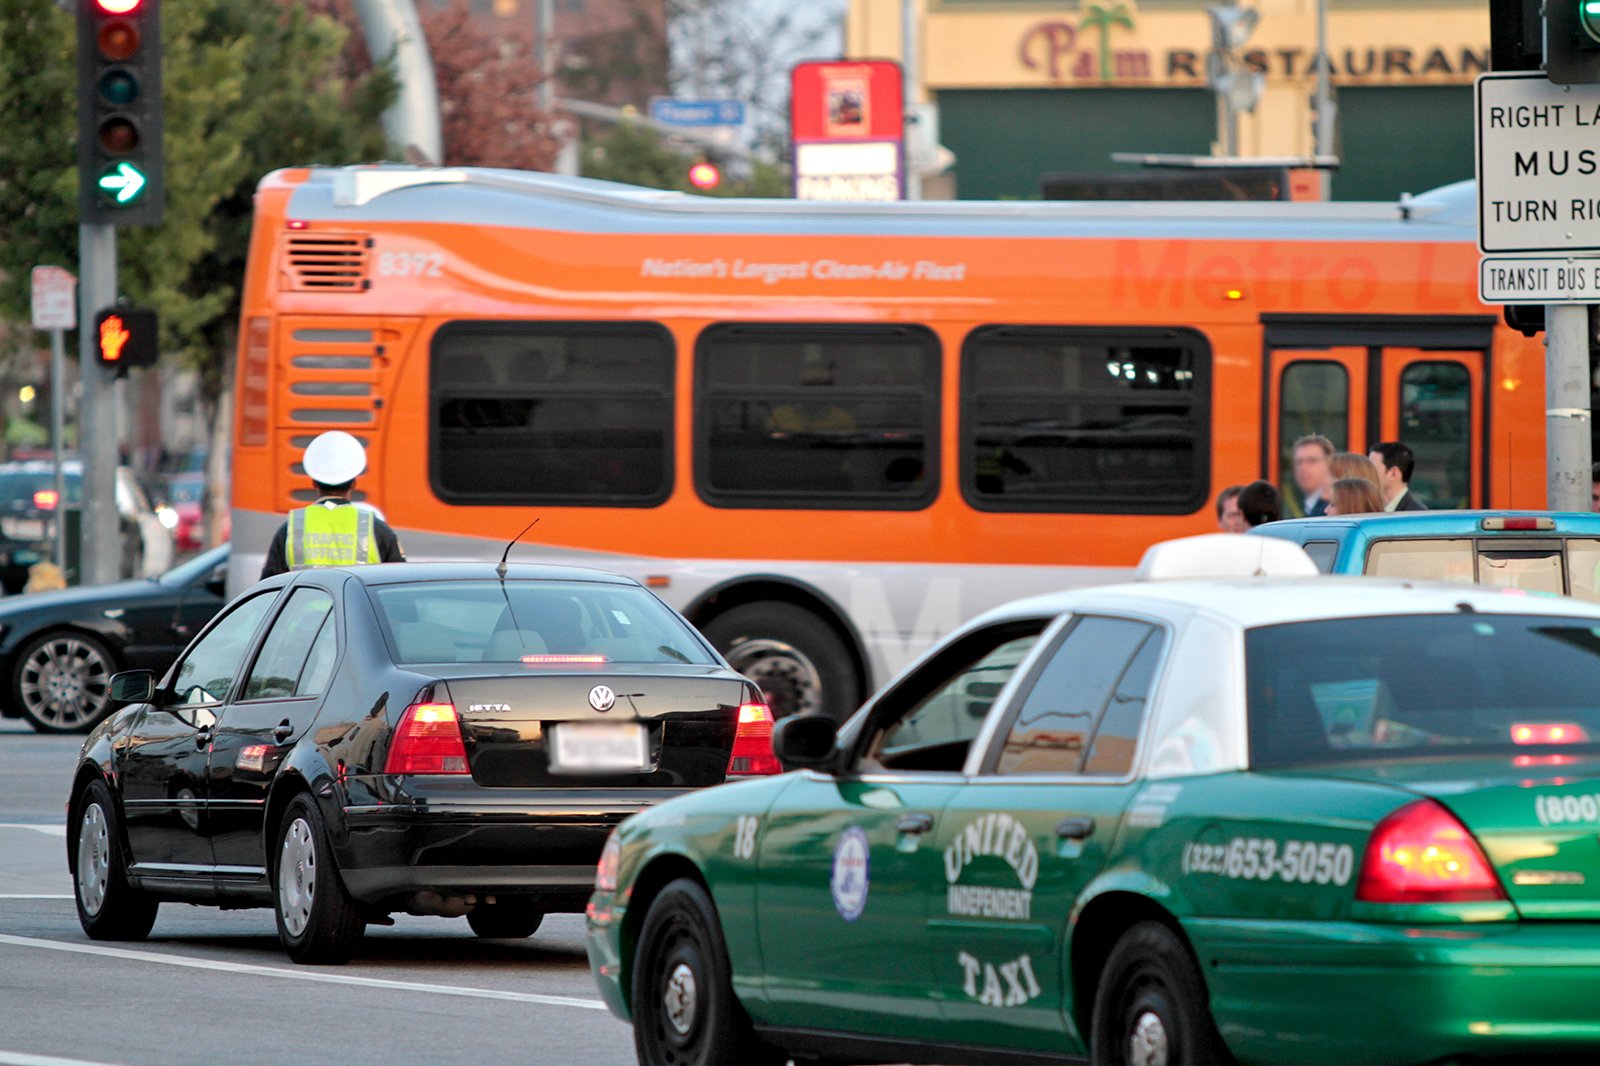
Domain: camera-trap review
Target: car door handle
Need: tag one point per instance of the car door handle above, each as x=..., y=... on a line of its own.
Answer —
x=915, y=822
x=282, y=731
x=202, y=736
x=1075, y=828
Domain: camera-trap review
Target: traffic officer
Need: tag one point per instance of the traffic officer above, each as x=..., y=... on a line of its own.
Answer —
x=333, y=531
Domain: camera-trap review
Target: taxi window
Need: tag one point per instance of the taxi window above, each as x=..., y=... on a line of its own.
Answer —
x=945, y=703
x=501, y=622
x=1421, y=686
x=1423, y=560
x=1082, y=715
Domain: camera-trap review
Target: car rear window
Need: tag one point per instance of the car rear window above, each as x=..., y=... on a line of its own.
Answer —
x=1421, y=686
x=491, y=621
x=1530, y=564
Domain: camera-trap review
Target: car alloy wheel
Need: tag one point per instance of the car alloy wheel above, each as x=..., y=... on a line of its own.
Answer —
x=64, y=682
x=94, y=859
x=297, y=877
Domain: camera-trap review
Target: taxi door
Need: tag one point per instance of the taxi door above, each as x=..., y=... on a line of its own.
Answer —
x=848, y=866
x=1032, y=829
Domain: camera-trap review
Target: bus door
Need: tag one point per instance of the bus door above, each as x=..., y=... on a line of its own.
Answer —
x=1361, y=380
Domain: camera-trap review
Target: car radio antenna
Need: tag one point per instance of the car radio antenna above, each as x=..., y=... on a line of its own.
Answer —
x=501, y=569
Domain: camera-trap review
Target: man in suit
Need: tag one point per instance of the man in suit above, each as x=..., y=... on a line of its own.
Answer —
x=1395, y=464
x=1310, y=455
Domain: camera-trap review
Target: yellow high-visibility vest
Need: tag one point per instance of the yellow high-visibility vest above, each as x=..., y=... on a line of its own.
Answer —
x=330, y=536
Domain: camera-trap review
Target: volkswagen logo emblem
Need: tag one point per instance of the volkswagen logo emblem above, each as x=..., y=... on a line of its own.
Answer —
x=602, y=698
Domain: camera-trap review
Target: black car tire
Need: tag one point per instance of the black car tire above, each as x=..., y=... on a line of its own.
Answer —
x=799, y=660
x=318, y=923
x=71, y=657
x=109, y=908
x=684, y=1009
x=1151, y=1005
x=505, y=920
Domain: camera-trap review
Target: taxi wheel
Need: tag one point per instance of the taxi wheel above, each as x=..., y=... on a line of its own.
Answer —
x=1150, y=1008
x=506, y=920
x=684, y=1010
x=108, y=907
x=318, y=922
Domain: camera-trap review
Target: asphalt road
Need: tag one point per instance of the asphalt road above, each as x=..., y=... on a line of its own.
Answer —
x=212, y=986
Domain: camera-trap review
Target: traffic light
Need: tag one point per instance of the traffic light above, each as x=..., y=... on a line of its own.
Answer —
x=119, y=112
x=705, y=175
x=127, y=337
x=1572, y=41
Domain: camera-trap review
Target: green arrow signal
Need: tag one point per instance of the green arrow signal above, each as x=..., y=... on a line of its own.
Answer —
x=124, y=182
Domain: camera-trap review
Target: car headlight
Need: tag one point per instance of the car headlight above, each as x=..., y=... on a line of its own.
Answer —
x=168, y=517
x=605, y=874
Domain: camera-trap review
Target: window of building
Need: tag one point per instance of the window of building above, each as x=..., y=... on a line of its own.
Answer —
x=818, y=416
x=552, y=413
x=1059, y=419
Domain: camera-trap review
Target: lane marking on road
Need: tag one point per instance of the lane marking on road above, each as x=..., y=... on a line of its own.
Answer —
x=23, y=1058
x=315, y=976
x=47, y=830
x=34, y=895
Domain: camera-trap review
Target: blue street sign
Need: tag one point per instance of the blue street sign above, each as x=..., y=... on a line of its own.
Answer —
x=674, y=111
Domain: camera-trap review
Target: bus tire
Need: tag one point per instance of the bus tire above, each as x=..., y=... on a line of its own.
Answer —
x=800, y=661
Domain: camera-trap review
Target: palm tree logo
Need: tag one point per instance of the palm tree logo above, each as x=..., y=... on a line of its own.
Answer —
x=1102, y=17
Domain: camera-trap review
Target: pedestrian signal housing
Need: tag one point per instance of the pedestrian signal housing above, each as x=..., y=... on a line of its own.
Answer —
x=119, y=112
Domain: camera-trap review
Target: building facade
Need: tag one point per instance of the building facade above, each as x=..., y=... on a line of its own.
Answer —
x=1029, y=88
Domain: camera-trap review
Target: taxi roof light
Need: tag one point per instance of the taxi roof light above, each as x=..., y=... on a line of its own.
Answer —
x=752, y=743
x=427, y=741
x=1225, y=555
x=1423, y=854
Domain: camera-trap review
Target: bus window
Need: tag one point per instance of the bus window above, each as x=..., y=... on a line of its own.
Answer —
x=1058, y=419
x=817, y=416
x=1313, y=397
x=554, y=413
x=1426, y=560
x=1436, y=421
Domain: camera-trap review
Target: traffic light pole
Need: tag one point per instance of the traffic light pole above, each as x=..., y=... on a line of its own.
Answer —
x=1567, y=415
x=99, y=555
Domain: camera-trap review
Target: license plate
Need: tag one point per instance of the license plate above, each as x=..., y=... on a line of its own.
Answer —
x=588, y=747
x=22, y=528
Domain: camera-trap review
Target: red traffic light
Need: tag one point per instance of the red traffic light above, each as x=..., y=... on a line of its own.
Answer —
x=117, y=7
x=705, y=176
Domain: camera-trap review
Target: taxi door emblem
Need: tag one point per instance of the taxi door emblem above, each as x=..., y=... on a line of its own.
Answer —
x=602, y=698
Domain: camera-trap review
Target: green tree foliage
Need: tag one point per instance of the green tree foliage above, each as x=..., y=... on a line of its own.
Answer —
x=636, y=154
x=250, y=86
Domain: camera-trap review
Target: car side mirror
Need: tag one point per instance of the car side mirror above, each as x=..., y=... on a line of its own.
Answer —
x=805, y=741
x=133, y=686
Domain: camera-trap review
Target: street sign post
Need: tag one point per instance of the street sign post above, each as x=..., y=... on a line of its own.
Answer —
x=1537, y=159
x=847, y=127
x=53, y=291
x=675, y=111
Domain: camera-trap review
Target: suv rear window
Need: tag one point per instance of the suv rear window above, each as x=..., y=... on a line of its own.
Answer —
x=1534, y=564
x=495, y=622
x=1421, y=686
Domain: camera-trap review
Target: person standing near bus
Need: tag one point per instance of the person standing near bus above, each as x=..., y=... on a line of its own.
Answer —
x=333, y=531
x=1310, y=456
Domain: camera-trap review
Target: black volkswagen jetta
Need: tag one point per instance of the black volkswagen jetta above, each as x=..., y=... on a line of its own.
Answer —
x=344, y=744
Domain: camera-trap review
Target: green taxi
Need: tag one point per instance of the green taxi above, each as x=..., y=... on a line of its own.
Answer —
x=1254, y=819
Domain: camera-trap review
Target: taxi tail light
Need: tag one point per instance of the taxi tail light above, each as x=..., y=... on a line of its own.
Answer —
x=1423, y=854
x=1549, y=733
x=752, y=743
x=427, y=741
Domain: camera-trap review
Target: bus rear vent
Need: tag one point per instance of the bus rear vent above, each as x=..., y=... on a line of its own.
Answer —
x=320, y=262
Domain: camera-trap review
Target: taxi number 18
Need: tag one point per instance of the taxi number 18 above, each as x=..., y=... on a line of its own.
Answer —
x=1254, y=859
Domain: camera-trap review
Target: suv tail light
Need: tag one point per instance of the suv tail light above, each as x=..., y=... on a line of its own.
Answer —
x=1423, y=854
x=427, y=741
x=752, y=743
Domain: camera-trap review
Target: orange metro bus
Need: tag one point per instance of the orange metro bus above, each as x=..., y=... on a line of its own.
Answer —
x=829, y=433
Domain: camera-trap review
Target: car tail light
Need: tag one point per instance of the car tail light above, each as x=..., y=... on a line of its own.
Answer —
x=1423, y=854
x=752, y=743
x=564, y=660
x=1549, y=733
x=427, y=741
x=46, y=499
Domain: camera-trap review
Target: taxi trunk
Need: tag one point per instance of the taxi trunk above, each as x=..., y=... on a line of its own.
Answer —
x=1536, y=817
x=646, y=725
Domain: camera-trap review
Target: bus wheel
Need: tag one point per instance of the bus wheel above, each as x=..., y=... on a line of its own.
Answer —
x=799, y=661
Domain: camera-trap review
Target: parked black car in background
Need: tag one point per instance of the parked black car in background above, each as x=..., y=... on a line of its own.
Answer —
x=343, y=744
x=58, y=650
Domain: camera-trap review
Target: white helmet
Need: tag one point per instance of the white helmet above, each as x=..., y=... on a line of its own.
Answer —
x=334, y=458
